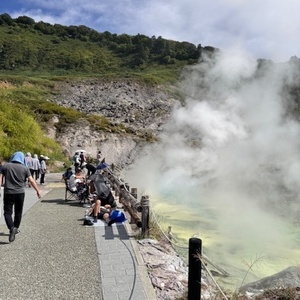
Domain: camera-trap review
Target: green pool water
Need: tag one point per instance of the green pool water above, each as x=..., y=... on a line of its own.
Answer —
x=249, y=245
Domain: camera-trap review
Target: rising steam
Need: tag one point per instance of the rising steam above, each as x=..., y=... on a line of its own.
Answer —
x=228, y=163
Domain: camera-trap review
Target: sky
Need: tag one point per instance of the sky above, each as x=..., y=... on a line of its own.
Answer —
x=264, y=29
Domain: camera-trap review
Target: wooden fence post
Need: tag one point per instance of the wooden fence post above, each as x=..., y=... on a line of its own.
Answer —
x=134, y=192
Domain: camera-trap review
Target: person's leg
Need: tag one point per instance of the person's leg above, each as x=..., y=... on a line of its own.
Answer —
x=8, y=201
x=42, y=180
x=111, y=200
x=19, y=203
x=97, y=209
x=91, y=187
x=106, y=217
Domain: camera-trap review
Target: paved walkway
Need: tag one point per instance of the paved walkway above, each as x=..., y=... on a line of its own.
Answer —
x=56, y=257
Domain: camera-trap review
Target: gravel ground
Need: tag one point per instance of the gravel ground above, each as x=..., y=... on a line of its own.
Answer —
x=54, y=256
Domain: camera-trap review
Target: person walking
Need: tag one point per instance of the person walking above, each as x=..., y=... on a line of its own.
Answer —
x=15, y=173
x=35, y=167
x=82, y=158
x=43, y=168
x=76, y=160
x=28, y=159
x=99, y=155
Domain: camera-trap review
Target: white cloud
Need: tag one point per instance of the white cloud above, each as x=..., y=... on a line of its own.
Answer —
x=265, y=29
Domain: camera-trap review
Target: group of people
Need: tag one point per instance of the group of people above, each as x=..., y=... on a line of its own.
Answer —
x=20, y=169
x=37, y=166
x=79, y=159
x=101, y=200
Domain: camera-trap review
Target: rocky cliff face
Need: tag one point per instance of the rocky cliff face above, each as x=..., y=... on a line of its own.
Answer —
x=138, y=107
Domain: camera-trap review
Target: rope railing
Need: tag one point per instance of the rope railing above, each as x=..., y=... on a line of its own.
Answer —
x=211, y=276
x=204, y=259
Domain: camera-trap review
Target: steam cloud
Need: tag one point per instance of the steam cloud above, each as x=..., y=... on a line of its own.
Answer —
x=230, y=157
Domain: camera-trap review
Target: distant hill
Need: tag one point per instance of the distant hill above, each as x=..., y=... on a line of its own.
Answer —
x=26, y=45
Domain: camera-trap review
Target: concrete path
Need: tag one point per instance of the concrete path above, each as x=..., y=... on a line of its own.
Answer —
x=56, y=257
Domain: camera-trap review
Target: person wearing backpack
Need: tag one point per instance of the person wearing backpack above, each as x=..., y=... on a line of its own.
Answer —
x=104, y=195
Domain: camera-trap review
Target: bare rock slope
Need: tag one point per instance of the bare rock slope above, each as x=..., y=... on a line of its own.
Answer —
x=138, y=107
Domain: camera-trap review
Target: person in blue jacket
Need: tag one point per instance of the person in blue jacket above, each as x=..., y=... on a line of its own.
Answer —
x=16, y=173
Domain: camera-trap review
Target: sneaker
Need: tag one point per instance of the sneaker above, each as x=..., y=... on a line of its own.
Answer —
x=12, y=234
x=18, y=231
x=88, y=222
x=95, y=219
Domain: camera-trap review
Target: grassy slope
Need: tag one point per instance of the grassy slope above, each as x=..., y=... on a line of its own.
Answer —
x=24, y=109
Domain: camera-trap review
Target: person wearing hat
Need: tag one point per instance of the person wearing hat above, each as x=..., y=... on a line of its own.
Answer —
x=15, y=173
x=43, y=168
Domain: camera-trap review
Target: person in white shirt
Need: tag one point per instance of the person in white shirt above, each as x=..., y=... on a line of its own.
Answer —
x=75, y=180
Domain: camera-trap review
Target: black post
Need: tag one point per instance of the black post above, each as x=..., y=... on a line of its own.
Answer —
x=145, y=216
x=194, y=276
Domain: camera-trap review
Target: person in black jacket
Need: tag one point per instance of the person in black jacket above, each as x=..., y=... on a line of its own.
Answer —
x=104, y=196
x=91, y=169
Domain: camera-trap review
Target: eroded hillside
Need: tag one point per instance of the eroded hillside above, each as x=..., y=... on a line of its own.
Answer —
x=138, y=107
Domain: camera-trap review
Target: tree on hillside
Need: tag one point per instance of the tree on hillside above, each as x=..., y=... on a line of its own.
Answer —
x=25, y=20
x=6, y=19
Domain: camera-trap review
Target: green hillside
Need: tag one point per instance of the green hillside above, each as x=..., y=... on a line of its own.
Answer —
x=33, y=56
x=28, y=47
